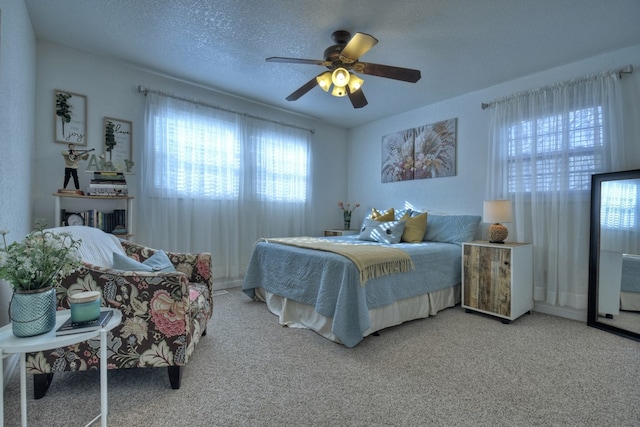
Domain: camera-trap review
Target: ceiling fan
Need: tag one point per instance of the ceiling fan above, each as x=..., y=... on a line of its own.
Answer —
x=342, y=59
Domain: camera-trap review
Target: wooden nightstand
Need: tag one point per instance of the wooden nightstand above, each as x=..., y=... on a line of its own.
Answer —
x=497, y=279
x=337, y=232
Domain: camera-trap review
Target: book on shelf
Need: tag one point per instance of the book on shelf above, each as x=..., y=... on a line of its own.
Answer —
x=109, y=176
x=108, y=184
x=70, y=327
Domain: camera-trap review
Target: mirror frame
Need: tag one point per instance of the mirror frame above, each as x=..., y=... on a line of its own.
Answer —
x=594, y=251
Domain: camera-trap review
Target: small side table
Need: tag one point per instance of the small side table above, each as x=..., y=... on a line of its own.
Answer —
x=338, y=232
x=497, y=279
x=10, y=344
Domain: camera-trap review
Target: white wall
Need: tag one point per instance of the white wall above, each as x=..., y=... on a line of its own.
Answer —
x=111, y=90
x=17, y=92
x=465, y=192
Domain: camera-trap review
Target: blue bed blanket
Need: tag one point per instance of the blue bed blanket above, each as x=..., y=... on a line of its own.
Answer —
x=330, y=282
x=630, y=273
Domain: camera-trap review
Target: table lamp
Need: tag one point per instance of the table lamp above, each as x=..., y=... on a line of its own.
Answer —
x=495, y=212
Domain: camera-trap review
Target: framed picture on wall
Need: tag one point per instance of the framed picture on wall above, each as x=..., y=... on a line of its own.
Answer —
x=118, y=142
x=427, y=151
x=70, y=120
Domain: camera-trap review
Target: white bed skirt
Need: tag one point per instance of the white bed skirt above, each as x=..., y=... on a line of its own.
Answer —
x=630, y=301
x=297, y=315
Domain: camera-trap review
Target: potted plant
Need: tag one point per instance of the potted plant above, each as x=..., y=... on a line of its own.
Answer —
x=109, y=137
x=346, y=213
x=33, y=268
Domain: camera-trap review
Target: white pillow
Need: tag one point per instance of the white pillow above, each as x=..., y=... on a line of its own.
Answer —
x=384, y=232
x=97, y=247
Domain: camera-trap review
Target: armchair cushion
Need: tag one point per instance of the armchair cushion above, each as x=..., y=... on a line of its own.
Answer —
x=157, y=262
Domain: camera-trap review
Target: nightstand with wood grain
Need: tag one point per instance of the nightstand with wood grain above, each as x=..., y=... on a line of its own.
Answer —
x=339, y=232
x=497, y=279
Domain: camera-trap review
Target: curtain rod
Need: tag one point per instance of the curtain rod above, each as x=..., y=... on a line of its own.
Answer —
x=626, y=70
x=145, y=91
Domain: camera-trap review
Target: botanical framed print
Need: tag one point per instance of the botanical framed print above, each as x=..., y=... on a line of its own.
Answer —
x=435, y=150
x=427, y=151
x=397, y=156
x=118, y=142
x=70, y=121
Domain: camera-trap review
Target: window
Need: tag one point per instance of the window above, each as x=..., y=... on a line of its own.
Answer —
x=204, y=157
x=558, y=152
x=283, y=167
x=619, y=205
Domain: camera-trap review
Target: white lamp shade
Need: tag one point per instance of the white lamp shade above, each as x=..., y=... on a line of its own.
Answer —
x=496, y=211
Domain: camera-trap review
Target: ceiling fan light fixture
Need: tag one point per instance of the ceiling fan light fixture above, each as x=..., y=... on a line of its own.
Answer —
x=340, y=77
x=339, y=91
x=341, y=59
x=324, y=80
x=355, y=83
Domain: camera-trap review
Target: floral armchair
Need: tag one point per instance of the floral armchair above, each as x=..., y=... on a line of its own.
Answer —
x=164, y=314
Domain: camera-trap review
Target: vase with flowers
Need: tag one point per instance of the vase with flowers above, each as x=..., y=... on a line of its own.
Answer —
x=33, y=268
x=346, y=213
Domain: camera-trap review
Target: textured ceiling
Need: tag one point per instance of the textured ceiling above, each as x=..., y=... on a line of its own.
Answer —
x=459, y=45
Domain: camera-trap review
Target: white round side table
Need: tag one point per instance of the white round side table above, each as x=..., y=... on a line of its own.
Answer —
x=10, y=344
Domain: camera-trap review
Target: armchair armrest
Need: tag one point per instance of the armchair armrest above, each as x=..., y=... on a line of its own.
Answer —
x=197, y=266
x=132, y=292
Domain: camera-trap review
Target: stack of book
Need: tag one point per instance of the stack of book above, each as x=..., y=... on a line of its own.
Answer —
x=70, y=327
x=108, y=184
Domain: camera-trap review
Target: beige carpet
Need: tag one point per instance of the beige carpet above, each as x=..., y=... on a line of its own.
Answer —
x=454, y=369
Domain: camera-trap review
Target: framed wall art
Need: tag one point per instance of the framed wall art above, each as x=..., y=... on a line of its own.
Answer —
x=118, y=142
x=70, y=121
x=427, y=151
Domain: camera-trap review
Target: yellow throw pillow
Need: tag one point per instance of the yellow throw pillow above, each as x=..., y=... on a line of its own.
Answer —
x=387, y=216
x=414, y=228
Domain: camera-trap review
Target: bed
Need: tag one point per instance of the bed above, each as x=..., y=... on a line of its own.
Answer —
x=325, y=291
x=630, y=286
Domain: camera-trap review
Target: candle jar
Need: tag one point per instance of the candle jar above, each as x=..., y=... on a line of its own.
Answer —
x=85, y=306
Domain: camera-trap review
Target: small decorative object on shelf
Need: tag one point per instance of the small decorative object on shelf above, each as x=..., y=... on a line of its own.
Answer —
x=346, y=213
x=71, y=159
x=33, y=267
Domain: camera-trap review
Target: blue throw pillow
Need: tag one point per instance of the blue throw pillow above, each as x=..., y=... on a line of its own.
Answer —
x=156, y=262
x=451, y=228
x=384, y=232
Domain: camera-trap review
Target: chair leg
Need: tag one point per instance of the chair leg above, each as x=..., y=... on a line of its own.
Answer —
x=41, y=383
x=175, y=376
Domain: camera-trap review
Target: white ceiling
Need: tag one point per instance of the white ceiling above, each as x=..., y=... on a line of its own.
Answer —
x=459, y=45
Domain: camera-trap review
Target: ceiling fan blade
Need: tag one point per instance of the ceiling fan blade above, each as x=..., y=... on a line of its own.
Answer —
x=303, y=89
x=297, y=60
x=359, y=44
x=388, y=71
x=357, y=98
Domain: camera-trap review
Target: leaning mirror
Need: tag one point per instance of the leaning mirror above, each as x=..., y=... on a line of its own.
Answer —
x=614, y=253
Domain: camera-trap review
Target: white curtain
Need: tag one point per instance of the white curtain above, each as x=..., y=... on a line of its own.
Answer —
x=217, y=181
x=544, y=147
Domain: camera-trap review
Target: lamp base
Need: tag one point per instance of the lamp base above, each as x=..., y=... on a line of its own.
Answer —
x=497, y=233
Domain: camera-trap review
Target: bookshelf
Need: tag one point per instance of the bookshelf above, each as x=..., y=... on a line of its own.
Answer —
x=90, y=206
